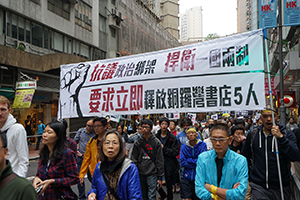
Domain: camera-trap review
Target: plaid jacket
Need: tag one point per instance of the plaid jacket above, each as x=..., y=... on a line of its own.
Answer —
x=65, y=174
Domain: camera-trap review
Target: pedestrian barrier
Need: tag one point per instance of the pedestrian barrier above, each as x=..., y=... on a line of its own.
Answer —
x=295, y=186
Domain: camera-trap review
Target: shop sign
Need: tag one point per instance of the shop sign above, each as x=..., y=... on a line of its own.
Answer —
x=26, y=85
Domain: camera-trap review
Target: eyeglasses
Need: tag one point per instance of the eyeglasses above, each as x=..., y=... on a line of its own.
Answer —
x=146, y=127
x=90, y=126
x=97, y=126
x=219, y=139
x=114, y=143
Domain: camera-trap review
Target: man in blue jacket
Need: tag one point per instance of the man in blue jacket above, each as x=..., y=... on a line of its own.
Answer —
x=221, y=173
x=188, y=157
x=259, y=148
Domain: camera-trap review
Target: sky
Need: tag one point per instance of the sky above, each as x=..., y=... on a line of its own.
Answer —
x=219, y=16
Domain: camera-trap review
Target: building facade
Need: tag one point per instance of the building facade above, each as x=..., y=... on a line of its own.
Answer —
x=191, y=24
x=167, y=11
x=37, y=36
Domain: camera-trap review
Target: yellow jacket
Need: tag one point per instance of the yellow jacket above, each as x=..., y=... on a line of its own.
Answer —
x=90, y=157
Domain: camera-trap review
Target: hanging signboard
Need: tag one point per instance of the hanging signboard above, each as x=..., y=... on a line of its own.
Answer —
x=267, y=13
x=23, y=98
x=24, y=93
x=291, y=12
x=202, y=77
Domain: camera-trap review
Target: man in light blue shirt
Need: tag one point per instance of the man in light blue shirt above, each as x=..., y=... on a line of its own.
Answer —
x=221, y=173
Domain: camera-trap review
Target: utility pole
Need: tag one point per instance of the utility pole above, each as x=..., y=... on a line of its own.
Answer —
x=282, y=107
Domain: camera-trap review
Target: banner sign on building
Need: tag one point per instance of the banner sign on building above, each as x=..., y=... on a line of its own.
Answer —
x=26, y=85
x=267, y=89
x=291, y=12
x=267, y=13
x=207, y=76
x=23, y=98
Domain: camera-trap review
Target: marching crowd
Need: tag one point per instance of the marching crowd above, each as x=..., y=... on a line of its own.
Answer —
x=224, y=159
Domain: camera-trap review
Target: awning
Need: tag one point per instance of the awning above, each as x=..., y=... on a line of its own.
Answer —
x=7, y=92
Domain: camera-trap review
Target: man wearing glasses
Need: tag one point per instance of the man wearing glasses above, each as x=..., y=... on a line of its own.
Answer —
x=259, y=147
x=221, y=173
x=82, y=137
x=147, y=155
x=91, y=158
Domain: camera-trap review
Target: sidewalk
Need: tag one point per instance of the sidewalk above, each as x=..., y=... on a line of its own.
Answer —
x=34, y=154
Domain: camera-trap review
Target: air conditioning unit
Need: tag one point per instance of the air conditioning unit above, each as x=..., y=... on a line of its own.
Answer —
x=113, y=11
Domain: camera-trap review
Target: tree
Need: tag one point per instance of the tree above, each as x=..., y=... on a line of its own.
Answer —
x=211, y=36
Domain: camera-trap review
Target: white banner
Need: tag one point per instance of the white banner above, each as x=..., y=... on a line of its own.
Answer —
x=194, y=78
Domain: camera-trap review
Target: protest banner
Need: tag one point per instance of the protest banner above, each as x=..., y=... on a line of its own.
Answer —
x=222, y=74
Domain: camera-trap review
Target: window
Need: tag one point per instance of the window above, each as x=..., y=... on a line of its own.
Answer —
x=60, y=7
x=14, y=26
x=8, y=22
x=37, y=35
x=28, y=30
x=83, y=15
x=46, y=39
x=58, y=42
x=113, y=2
x=21, y=28
x=113, y=32
x=102, y=24
x=84, y=50
x=36, y=1
x=1, y=22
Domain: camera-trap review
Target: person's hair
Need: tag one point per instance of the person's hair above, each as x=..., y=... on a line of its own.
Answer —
x=235, y=128
x=186, y=120
x=120, y=124
x=121, y=153
x=100, y=119
x=291, y=118
x=239, y=121
x=28, y=116
x=221, y=126
x=3, y=139
x=60, y=144
x=174, y=122
x=40, y=120
x=147, y=121
x=4, y=100
x=164, y=119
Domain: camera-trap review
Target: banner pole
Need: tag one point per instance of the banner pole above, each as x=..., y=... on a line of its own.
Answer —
x=273, y=119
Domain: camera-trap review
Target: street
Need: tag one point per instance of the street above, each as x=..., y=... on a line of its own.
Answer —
x=33, y=164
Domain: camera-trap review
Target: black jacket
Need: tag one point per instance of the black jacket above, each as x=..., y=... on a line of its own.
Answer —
x=143, y=161
x=264, y=170
x=170, y=152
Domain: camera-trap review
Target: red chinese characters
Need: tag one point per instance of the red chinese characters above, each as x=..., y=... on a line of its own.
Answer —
x=104, y=72
x=118, y=99
x=187, y=60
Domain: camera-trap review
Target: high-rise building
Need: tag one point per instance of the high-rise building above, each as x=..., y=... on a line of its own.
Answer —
x=167, y=11
x=247, y=15
x=191, y=24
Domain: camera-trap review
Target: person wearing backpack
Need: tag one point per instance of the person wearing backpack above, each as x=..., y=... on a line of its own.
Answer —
x=259, y=149
x=39, y=132
x=147, y=155
x=16, y=139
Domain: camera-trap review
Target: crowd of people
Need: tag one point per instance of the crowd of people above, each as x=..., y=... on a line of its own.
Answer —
x=223, y=159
